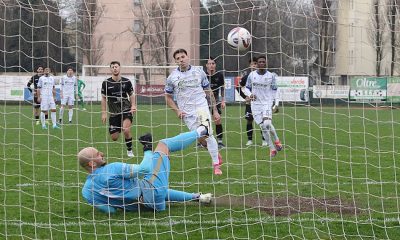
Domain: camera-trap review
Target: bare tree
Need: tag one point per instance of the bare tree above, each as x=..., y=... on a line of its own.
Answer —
x=376, y=36
x=89, y=14
x=163, y=24
x=326, y=35
x=392, y=16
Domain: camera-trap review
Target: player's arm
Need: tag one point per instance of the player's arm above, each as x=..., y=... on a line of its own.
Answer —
x=61, y=88
x=29, y=84
x=247, y=89
x=38, y=90
x=169, y=92
x=242, y=84
x=106, y=208
x=274, y=88
x=132, y=97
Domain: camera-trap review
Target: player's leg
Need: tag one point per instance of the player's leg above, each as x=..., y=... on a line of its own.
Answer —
x=44, y=108
x=180, y=196
x=126, y=128
x=277, y=142
x=53, y=114
x=249, y=126
x=70, y=102
x=81, y=102
x=61, y=113
x=36, y=110
x=114, y=128
x=219, y=128
x=263, y=119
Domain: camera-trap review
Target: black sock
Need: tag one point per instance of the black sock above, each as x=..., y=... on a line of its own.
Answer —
x=262, y=136
x=128, y=142
x=46, y=116
x=218, y=129
x=36, y=117
x=249, y=128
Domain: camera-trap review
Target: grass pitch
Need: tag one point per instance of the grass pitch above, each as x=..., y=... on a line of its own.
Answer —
x=337, y=177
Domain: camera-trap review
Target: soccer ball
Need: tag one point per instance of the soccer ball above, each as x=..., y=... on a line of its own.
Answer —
x=239, y=38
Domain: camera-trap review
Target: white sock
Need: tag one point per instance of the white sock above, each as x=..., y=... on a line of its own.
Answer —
x=61, y=112
x=53, y=118
x=42, y=119
x=70, y=113
x=274, y=134
x=212, y=147
x=266, y=136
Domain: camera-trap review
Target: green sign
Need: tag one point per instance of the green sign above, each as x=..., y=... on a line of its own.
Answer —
x=16, y=92
x=368, y=88
x=393, y=89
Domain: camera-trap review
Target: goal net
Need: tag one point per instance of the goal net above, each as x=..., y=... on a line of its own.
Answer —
x=339, y=87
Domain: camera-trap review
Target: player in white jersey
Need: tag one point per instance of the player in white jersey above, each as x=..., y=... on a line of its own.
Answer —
x=190, y=86
x=68, y=90
x=46, y=95
x=261, y=88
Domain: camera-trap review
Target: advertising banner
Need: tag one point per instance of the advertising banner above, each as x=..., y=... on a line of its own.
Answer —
x=368, y=88
x=393, y=89
x=331, y=91
x=293, y=89
x=150, y=90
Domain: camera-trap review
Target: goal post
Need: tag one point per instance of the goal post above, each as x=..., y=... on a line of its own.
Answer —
x=337, y=176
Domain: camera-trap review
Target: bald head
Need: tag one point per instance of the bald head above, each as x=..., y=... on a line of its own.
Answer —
x=86, y=155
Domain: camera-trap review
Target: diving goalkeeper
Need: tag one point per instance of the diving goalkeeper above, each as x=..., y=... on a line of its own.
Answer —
x=117, y=185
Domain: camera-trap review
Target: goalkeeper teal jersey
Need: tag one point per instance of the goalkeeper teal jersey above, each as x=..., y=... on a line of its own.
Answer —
x=81, y=86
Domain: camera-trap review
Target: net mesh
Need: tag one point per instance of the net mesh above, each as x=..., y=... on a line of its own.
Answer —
x=336, y=62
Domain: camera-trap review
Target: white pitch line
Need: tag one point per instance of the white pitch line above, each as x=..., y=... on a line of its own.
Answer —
x=173, y=222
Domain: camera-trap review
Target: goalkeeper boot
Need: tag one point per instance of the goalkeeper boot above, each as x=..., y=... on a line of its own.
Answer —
x=147, y=142
x=278, y=145
x=205, y=198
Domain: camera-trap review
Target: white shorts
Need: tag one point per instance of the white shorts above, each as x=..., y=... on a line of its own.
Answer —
x=47, y=103
x=260, y=112
x=192, y=120
x=68, y=100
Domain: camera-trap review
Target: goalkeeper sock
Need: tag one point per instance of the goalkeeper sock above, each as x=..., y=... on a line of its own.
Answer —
x=128, y=142
x=181, y=141
x=179, y=196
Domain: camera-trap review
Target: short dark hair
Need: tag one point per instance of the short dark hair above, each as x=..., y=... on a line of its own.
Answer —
x=115, y=62
x=253, y=59
x=211, y=58
x=39, y=66
x=261, y=56
x=180, y=50
x=70, y=67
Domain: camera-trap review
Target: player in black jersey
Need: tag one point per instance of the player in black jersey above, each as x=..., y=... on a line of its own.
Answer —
x=36, y=105
x=248, y=114
x=217, y=84
x=118, y=94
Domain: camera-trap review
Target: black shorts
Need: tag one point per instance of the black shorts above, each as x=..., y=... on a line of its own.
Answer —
x=218, y=109
x=248, y=115
x=116, y=121
x=36, y=104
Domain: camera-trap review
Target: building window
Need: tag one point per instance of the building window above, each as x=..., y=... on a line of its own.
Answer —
x=137, y=26
x=137, y=2
x=136, y=55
